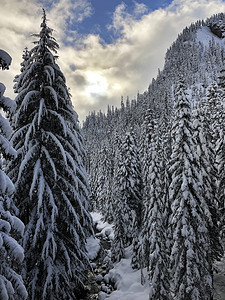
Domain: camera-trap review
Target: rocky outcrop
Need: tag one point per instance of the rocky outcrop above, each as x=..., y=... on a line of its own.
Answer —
x=218, y=28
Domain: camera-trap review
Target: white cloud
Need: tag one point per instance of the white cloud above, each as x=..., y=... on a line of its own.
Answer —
x=99, y=73
x=18, y=20
x=140, y=9
x=65, y=13
x=133, y=59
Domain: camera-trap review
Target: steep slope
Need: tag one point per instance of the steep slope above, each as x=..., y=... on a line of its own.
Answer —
x=197, y=56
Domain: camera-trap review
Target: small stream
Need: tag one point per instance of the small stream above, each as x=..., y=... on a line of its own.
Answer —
x=100, y=285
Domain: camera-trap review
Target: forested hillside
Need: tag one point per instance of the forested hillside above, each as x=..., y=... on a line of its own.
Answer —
x=156, y=167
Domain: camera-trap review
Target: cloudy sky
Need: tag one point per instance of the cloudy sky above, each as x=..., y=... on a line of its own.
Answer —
x=108, y=48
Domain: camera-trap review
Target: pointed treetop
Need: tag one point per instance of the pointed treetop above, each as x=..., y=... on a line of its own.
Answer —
x=44, y=15
x=46, y=40
x=44, y=23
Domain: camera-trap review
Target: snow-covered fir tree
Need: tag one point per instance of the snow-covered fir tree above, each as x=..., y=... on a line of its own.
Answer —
x=220, y=151
x=51, y=183
x=129, y=170
x=121, y=211
x=190, y=260
x=122, y=227
x=11, y=227
x=126, y=194
x=104, y=179
x=220, y=164
x=19, y=78
x=147, y=129
x=154, y=233
x=211, y=107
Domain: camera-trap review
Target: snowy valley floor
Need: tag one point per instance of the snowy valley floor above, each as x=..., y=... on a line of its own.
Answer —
x=127, y=282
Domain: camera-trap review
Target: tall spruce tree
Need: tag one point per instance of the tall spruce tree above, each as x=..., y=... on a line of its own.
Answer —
x=154, y=234
x=127, y=195
x=121, y=211
x=210, y=113
x=145, y=150
x=104, y=181
x=51, y=182
x=220, y=164
x=130, y=179
x=190, y=265
x=11, y=253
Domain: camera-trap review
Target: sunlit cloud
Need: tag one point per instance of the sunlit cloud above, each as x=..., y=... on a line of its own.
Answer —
x=130, y=63
x=96, y=84
x=117, y=86
x=97, y=73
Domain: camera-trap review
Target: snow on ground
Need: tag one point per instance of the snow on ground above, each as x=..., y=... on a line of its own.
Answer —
x=93, y=247
x=205, y=35
x=105, y=228
x=127, y=281
x=219, y=280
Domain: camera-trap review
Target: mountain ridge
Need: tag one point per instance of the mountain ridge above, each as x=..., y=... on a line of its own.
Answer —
x=197, y=54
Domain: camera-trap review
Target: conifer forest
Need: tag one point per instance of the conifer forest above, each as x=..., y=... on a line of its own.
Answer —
x=139, y=187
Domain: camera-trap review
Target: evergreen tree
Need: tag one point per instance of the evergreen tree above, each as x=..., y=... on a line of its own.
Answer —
x=220, y=163
x=103, y=180
x=127, y=196
x=51, y=182
x=122, y=227
x=145, y=149
x=211, y=109
x=11, y=253
x=104, y=191
x=19, y=78
x=154, y=233
x=220, y=151
x=129, y=170
x=190, y=265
